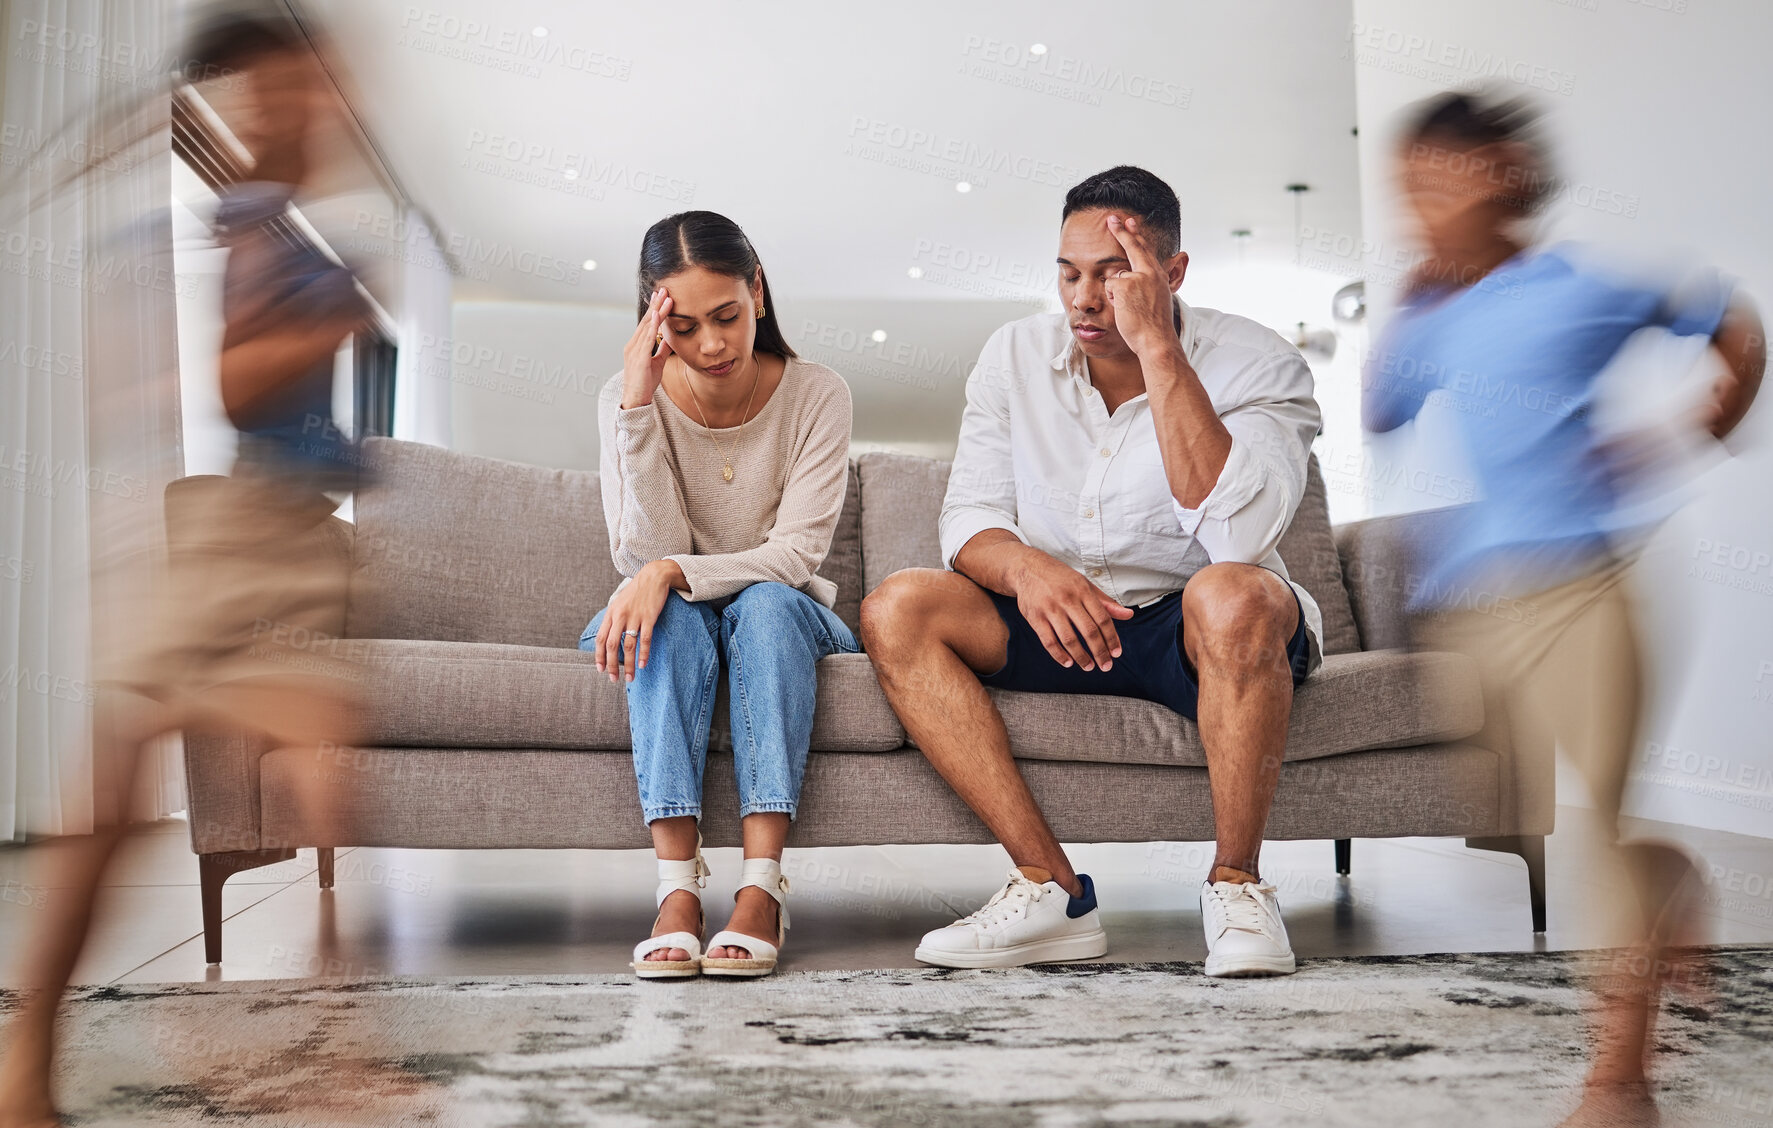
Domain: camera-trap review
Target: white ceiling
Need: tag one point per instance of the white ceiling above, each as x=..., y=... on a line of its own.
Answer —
x=760, y=107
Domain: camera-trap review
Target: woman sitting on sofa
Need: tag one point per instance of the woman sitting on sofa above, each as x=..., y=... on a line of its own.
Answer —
x=724, y=465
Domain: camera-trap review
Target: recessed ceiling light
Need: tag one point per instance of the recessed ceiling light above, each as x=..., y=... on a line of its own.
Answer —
x=914, y=272
x=539, y=32
x=1038, y=49
x=878, y=335
x=963, y=186
x=590, y=264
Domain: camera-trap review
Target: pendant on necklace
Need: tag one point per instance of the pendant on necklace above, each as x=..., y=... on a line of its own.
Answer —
x=727, y=472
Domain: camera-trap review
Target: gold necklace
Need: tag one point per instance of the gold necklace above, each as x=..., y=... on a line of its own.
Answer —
x=726, y=469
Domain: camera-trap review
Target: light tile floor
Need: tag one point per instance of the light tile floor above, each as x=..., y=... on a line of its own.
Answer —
x=436, y=913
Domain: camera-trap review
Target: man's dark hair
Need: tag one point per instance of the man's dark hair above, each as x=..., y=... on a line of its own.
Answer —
x=1132, y=191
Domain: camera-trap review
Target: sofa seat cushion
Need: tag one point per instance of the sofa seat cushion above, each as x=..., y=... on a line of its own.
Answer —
x=430, y=694
x=1353, y=702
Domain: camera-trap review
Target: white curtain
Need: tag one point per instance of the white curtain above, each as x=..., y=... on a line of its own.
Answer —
x=88, y=391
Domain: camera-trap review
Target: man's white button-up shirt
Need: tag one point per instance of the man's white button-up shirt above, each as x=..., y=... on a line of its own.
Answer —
x=1040, y=456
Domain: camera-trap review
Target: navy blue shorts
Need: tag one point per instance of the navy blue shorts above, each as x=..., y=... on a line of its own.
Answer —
x=1152, y=664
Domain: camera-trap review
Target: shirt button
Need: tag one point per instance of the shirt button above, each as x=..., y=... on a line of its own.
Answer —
x=1089, y=390
x=1089, y=513
x=1106, y=453
x=1095, y=571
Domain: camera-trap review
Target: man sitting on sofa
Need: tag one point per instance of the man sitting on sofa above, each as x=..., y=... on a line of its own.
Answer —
x=1124, y=472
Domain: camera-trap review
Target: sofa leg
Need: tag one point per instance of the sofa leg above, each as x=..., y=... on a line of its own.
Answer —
x=213, y=871
x=1344, y=847
x=1530, y=848
x=324, y=853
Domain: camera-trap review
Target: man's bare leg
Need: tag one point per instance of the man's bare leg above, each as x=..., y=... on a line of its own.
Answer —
x=931, y=634
x=1236, y=622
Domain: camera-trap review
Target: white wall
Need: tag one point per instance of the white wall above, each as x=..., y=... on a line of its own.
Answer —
x=526, y=375
x=523, y=376
x=1659, y=107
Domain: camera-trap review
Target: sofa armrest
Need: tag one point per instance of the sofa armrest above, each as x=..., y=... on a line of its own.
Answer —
x=1380, y=570
x=222, y=781
x=221, y=765
x=1526, y=772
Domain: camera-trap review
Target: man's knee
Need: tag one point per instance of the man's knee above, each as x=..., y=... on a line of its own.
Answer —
x=898, y=609
x=1238, y=611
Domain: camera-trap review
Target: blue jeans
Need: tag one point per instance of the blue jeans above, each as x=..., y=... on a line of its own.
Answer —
x=771, y=636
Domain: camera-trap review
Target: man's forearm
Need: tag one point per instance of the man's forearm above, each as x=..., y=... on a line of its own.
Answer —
x=1192, y=439
x=994, y=560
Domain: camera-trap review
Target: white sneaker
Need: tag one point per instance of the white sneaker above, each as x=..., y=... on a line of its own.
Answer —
x=1025, y=922
x=1245, y=934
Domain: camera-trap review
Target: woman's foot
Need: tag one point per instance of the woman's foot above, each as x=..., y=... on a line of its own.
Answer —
x=681, y=912
x=755, y=913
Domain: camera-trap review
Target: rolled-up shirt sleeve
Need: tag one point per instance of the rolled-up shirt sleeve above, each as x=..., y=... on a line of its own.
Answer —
x=982, y=486
x=1244, y=515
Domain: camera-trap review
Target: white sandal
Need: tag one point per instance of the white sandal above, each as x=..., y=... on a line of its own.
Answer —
x=688, y=875
x=766, y=874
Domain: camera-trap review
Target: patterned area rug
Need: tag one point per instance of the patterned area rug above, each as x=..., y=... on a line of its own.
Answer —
x=1433, y=1040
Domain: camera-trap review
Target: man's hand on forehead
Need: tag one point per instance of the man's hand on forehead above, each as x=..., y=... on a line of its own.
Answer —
x=1140, y=294
x=1130, y=234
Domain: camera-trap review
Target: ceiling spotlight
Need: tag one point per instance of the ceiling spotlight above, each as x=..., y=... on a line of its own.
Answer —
x=1038, y=49
x=878, y=336
x=589, y=264
x=963, y=186
x=539, y=32
x=914, y=272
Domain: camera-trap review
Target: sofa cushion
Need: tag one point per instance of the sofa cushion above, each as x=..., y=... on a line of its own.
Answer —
x=466, y=549
x=843, y=563
x=425, y=693
x=1308, y=549
x=902, y=507
x=1353, y=702
x=901, y=514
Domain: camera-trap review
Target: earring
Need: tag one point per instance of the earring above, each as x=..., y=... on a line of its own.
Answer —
x=760, y=311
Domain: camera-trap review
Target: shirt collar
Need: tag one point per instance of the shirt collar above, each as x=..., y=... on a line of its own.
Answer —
x=1070, y=358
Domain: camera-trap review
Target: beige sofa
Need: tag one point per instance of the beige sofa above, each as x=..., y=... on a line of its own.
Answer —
x=488, y=729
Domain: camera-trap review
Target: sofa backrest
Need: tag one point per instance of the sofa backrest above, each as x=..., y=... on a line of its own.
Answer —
x=902, y=505
x=456, y=547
